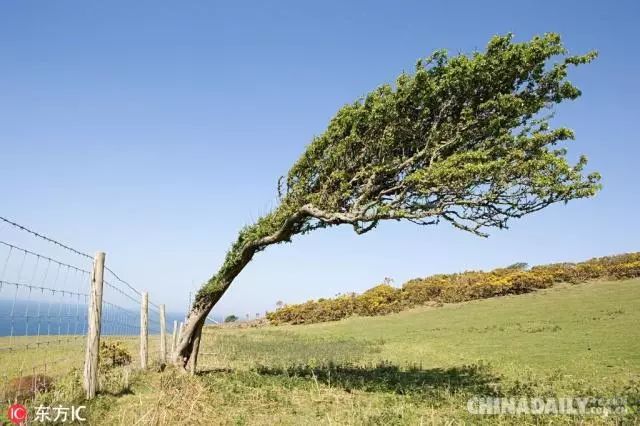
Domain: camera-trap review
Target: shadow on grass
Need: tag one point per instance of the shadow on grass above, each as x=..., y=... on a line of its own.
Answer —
x=208, y=371
x=117, y=394
x=387, y=377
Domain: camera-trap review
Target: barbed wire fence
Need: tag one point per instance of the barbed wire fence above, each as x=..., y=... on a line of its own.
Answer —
x=52, y=320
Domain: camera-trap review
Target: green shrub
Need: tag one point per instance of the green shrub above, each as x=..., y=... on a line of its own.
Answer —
x=231, y=318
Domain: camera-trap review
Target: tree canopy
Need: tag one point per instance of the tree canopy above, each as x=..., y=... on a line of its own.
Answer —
x=463, y=139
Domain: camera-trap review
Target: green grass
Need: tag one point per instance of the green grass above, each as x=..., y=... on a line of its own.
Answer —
x=60, y=358
x=415, y=367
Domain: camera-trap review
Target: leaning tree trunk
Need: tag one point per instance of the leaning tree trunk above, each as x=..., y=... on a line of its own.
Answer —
x=276, y=227
x=189, y=344
x=194, y=350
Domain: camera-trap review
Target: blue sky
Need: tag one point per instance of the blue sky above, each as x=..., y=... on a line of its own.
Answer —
x=154, y=130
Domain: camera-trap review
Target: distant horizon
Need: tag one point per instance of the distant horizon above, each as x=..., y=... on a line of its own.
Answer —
x=68, y=325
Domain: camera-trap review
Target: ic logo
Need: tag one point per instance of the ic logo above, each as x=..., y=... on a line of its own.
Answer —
x=17, y=414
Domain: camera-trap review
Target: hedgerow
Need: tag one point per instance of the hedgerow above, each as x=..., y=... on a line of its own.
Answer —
x=451, y=288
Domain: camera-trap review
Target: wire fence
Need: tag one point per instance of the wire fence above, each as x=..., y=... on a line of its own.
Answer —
x=45, y=299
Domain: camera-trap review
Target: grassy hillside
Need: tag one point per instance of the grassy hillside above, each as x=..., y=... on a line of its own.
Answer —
x=415, y=367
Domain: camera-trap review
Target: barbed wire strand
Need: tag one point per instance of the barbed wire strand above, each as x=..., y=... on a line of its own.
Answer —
x=51, y=240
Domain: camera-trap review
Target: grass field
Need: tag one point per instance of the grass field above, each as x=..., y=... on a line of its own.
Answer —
x=61, y=358
x=416, y=367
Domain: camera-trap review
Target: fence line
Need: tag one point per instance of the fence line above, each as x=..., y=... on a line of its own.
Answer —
x=46, y=301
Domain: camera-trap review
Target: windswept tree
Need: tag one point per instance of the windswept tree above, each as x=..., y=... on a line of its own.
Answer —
x=464, y=140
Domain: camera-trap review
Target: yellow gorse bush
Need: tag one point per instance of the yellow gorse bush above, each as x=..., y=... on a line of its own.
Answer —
x=114, y=354
x=451, y=288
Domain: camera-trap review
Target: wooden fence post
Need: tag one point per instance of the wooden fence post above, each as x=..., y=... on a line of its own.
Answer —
x=144, y=329
x=174, y=341
x=163, y=335
x=93, y=332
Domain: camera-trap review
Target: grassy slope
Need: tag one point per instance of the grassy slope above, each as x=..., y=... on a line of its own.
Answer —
x=56, y=355
x=569, y=340
x=592, y=326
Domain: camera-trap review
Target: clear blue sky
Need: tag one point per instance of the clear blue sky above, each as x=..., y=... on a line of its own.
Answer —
x=154, y=130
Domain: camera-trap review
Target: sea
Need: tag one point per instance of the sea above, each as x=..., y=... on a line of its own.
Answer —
x=32, y=318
